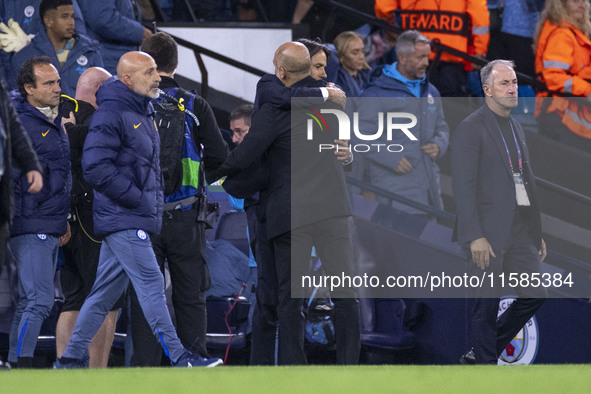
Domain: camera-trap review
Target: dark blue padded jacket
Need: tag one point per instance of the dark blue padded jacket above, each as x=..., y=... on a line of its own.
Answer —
x=121, y=161
x=45, y=212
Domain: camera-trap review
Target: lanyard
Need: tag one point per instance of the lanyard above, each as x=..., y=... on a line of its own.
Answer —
x=507, y=148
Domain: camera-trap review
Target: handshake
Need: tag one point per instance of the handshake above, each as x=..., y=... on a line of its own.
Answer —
x=12, y=37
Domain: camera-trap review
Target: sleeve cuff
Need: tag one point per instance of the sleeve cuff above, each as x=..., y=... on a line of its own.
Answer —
x=324, y=92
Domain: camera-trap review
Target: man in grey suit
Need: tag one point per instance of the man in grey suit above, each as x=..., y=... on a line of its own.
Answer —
x=498, y=217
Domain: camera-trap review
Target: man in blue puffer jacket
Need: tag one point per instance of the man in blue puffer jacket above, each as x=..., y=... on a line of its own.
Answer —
x=121, y=161
x=40, y=220
x=413, y=172
x=70, y=53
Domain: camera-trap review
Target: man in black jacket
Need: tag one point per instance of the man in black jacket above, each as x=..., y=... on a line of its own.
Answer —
x=303, y=204
x=81, y=254
x=182, y=239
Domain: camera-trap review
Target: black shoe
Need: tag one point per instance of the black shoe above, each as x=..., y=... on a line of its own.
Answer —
x=4, y=366
x=190, y=360
x=25, y=363
x=469, y=358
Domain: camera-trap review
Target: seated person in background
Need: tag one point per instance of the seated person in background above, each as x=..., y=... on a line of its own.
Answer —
x=240, y=126
x=563, y=59
x=27, y=14
x=70, y=53
x=240, y=122
x=352, y=71
x=23, y=27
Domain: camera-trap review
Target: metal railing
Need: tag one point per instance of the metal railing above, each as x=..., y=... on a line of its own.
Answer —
x=440, y=214
x=557, y=259
x=564, y=191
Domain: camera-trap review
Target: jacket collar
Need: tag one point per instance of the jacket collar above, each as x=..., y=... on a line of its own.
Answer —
x=23, y=107
x=384, y=81
x=308, y=82
x=168, y=82
x=391, y=70
x=42, y=41
x=116, y=91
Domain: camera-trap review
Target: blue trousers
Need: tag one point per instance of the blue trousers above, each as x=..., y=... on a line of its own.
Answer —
x=126, y=256
x=36, y=257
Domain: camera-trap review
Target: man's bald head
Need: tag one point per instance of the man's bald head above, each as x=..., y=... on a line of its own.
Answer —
x=292, y=62
x=137, y=70
x=89, y=82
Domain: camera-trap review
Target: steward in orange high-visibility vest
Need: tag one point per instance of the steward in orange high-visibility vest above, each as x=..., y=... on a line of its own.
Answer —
x=462, y=25
x=563, y=63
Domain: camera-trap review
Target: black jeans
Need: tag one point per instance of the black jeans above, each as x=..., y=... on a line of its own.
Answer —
x=4, y=235
x=264, y=319
x=292, y=252
x=491, y=334
x=182, y=243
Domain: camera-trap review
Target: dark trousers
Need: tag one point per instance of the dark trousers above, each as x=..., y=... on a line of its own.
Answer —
x=252, y=222
x=80, y=263
x=182, y=243
x=331, y=238
x=264, y=319
x=491, y=334
x=4, y=235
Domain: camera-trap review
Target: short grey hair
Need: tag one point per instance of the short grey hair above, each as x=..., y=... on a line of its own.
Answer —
x=405, y=43
x=486, y=71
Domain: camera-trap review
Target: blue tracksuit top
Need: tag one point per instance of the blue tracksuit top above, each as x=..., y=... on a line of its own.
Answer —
x=422, y=183
x=84, y=54
x=121, y=161
x=26, y=13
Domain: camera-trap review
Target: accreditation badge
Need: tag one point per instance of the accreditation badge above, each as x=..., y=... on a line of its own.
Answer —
x=520, y=192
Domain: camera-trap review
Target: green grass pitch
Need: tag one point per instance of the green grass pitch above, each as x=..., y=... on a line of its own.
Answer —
x=312, y=379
